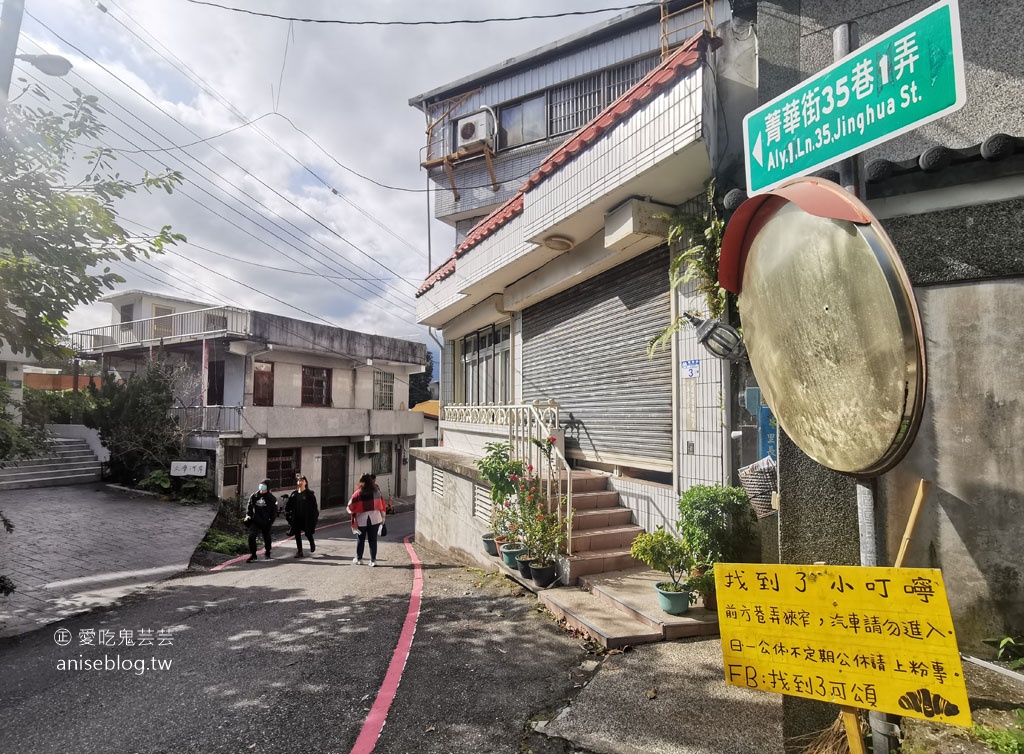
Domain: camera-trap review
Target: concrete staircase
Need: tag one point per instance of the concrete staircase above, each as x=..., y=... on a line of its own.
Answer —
x=602, y=530
x=611, y=597
x=620, y=608
x=67, y=462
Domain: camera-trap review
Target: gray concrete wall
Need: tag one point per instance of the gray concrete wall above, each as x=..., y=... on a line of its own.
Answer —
x=447, y=522
x=307, y=336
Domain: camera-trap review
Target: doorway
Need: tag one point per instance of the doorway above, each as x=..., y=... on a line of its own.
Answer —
x=334, y=476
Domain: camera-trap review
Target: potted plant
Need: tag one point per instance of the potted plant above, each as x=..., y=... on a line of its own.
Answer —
x=549, y=535
x=663, y=551
x=716, y=525
x=498, y=468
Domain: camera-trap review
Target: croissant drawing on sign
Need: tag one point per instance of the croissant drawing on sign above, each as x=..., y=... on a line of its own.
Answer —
x=928, y=704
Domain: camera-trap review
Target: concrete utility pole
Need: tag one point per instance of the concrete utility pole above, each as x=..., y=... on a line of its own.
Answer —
x=10, y=30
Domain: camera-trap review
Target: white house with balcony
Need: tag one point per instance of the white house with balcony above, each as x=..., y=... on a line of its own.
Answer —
x=555, y=169
x=273, y=396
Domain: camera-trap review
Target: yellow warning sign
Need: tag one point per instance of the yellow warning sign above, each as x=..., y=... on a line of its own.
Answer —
x=877, y=638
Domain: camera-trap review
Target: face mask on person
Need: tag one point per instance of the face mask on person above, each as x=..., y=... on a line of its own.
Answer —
x=263, y=488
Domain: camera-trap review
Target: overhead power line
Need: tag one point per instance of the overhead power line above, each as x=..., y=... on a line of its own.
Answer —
x=448, y=22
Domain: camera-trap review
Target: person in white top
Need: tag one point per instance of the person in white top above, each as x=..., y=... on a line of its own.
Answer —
x=367, y=507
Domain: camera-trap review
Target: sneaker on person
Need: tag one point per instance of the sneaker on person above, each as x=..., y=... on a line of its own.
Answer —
x=267, y=556
x=251, y=559
x=299, y=555
x=357, y=561
x=373, y=564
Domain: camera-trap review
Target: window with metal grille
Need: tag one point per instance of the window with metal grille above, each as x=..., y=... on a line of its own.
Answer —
x=262, y=384
x=437, y=481
x=383, y=462
x=282, y=463
x=316, y=386
x=574, y=104
x=482, y=502
x=232, y=474
x=569, y=106
x=383, y=391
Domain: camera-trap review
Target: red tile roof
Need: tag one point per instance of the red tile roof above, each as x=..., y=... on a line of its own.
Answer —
x=681, y=62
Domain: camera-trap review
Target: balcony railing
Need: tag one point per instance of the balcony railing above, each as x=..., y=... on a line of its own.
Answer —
x=529, y=426
x=208, y=419
x=169, y=328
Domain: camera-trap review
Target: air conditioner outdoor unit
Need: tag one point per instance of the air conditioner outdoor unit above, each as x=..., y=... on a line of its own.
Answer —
x=369, y=447
x=473, y=130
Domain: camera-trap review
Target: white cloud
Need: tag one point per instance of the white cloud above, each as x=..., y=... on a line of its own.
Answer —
x=347, y=87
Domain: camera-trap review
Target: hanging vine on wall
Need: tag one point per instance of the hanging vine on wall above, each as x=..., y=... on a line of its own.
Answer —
x=696, y=244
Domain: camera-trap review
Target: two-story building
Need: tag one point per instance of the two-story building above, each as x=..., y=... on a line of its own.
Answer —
x=556, y=169
x=273, y=396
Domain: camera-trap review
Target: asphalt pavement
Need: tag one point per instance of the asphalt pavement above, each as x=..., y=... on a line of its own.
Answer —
x=291, y=655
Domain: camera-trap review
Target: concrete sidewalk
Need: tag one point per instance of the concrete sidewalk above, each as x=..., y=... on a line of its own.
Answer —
x=84, y=546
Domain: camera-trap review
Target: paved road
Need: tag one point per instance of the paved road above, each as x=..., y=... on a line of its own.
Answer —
x=297, y=655
x=79, y=547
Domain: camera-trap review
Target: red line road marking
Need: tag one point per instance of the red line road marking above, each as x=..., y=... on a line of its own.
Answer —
x=374, y=723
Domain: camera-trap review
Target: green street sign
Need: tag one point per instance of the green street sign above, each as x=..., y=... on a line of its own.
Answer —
x=903, y=79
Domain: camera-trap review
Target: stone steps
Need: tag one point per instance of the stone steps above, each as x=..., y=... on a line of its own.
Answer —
x=620, y=608
x=70, y=461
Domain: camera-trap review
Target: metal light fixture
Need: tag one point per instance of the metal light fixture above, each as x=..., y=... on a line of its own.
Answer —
x=51, y=65
x=720, y=340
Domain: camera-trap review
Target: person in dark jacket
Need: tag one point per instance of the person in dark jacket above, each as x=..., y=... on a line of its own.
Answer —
x=302, y=513
x=259, y=517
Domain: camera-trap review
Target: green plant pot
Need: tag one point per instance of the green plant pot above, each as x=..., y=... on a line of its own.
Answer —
x=489, y=545
x=509, y=552
x=673, y=603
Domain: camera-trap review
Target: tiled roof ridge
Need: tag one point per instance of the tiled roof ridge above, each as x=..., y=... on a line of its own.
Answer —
x=681, y=61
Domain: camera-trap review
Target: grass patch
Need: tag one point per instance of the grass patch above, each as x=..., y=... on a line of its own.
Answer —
x=223, y=542
x=1004, y=740
x=227, y=534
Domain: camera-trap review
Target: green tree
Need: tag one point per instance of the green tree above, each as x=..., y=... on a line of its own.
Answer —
x=419, y=384
x=134, y=422
x=58, y=224
x=58, y=228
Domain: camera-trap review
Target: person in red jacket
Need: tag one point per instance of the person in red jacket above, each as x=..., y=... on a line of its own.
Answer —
x=367, y=509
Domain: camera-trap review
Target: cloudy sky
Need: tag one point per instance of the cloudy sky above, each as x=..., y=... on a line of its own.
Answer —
x=277, y=218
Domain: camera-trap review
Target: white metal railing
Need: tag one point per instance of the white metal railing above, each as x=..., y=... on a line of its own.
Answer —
x=197, y=419
x=194, y=324
x=525, y=424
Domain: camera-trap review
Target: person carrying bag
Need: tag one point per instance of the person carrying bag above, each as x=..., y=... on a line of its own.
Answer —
x=367, y=508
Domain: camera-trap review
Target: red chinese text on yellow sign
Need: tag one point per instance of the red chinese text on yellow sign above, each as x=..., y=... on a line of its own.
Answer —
x=876, y=638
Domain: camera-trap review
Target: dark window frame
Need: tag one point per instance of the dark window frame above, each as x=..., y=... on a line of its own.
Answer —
x=282, y=465
x=316, y=388
x=259, y=397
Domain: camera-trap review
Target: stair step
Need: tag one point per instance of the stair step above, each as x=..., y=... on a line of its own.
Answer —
x=598, y=561
x=53, y=481
x=581, y=611
x=597, y=518
x=589, y=500
x=19, y=473
x=632, y=593
x=604, y=538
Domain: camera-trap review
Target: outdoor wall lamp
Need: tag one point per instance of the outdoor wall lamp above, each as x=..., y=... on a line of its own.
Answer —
x=720, y=340
x=51, y=65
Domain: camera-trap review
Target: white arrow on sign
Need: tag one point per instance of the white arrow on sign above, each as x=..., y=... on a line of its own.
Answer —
x=757, y=151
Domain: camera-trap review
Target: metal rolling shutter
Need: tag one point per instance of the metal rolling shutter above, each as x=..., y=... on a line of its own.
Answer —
x=587, y=348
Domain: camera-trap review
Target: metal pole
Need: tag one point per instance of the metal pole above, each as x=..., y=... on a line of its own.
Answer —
x=10, y=30
x=884, y=728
